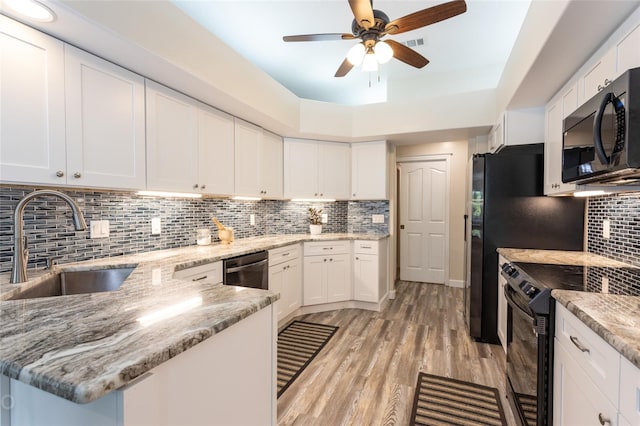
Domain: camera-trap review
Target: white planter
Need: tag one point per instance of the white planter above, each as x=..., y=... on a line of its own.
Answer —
x=315, y=229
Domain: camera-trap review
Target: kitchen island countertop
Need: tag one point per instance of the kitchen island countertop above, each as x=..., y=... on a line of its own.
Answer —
x=82, y=347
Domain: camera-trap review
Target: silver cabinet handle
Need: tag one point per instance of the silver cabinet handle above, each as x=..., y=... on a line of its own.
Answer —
x=199, y=278
x=59, y=173
x=357, y=258
x=579, y=345
x=285, y=254
x=315, y=195
x=607, y=82
x=77, y=175
x=365, y=247
x=603, y=420
x=600, y=88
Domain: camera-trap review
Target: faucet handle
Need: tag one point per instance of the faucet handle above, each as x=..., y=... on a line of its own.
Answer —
x=51, y=261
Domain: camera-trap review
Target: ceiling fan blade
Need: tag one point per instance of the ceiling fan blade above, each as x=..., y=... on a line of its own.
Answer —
x=407, y=55
x=319, y=37
x=344, y=68
x=426, y=17
x=363, y=12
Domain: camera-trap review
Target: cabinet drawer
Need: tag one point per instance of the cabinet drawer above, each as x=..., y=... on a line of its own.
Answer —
x=599, y=361
x=328, y=247
x=211, y=273
x=630, y=391
x=365, y=247
x=282, y=254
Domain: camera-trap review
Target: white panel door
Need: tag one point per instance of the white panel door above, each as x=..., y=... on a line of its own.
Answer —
x=365, y=277
x=300, y=169
x=248, y=162
x=272, y=157
x=334, y=175
x=105, y=109
x=424, y=221
x=172, y=140
x=338, y=277
x=32, y=133
x=315, y=288
x=215, y=151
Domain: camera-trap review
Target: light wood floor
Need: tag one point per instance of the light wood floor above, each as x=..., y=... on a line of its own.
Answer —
x=367, y=373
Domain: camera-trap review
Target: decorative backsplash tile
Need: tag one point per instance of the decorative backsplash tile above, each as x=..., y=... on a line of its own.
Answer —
x=50, y=230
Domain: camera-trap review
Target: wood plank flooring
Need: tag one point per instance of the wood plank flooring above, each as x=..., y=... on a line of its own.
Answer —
x=367, y=373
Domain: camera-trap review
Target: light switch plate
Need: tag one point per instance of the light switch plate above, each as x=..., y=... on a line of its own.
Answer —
x=605, y=285
x=252, y=219
x=325, y=218
x=156, y=226
x=99, y=229
x=606, y=229
x=377, y=218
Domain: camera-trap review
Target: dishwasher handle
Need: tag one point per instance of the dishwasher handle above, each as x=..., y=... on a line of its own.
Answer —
x=245, y=267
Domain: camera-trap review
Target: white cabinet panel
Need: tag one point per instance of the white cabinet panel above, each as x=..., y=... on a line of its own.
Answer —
x=32, y=122
x=369, y=171
x=365, y=277
x=502, y=307
x=628, y=51
x=248, y=147
x=285, y=277
x=629, y=392
x=215, y=151
x=272, y=166
x=598, y=76
x=327, y=275
x=338, y=278
x=315, y=289
x=334, y=170
x=172, y=140
x=105, y=117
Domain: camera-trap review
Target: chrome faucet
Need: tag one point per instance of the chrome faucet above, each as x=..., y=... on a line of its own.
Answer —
x=20, y=250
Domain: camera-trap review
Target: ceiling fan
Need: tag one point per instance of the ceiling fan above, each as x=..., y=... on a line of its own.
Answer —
x=371, y=25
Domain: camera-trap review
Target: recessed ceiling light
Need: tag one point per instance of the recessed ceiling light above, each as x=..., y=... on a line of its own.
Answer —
x=31, y=9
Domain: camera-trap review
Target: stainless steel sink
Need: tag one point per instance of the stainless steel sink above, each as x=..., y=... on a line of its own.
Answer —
x=77, y=282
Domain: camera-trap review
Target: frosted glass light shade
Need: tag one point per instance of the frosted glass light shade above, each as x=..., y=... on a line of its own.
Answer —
x=383, y=52
x=32, y=9
x=370, y=63
x=356, y=54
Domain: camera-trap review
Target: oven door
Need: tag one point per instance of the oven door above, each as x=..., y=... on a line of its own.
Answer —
x=522, y=359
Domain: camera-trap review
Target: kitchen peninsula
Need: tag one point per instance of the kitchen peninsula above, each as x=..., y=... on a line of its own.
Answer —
x=159, y=349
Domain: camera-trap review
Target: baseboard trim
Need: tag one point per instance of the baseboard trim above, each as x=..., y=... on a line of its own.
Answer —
x=324, y=307
x=392, y=294
x=456, y=283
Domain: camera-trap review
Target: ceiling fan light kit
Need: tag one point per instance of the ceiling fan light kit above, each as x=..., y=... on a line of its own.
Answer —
x=370, y=25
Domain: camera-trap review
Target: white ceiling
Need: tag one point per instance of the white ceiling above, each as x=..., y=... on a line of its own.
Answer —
x=466, y=52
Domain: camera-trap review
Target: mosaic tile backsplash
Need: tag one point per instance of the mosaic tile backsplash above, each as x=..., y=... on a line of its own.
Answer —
x=50, y=230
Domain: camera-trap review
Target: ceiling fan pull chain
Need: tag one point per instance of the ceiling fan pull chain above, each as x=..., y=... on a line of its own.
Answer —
x=369, y=80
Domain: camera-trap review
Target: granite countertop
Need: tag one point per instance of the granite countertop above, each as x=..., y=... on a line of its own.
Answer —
x=82, y=347
x=613, y=317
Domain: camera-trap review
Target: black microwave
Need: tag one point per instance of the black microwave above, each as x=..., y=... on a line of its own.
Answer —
x=601, y=139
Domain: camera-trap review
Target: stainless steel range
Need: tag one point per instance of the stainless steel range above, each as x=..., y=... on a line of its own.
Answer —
x=530, y=331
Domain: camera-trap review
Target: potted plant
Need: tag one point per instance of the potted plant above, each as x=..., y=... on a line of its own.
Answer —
x=315, y=221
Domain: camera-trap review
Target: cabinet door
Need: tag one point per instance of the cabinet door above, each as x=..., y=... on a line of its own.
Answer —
x=248, y=151
x=334, y=173
x=369, y=171
x=215, y=151
x=105, y=123
x=293, y=286
x=338, y=278
x=365, y=277
x=628, y=52
x=577, y=401
x=502, y=311
x=315, y=288
x=272, y=157
x=172, y=140
x=32, y=133
x=599, y=76
x=277, y=276
x=300, y=169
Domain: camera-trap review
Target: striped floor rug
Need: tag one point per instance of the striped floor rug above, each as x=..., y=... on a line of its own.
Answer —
x=529, y=407
x=444, y=401
x=298, y=344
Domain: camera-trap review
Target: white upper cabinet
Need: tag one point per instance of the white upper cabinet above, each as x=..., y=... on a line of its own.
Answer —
x=598, y=76
x=272, y=166
x=628, y=51
x=105, y=121
x=32, y=126
x=172, y=140
x=518, y=127
x=315, y=169
x=215, y=151
x=369, y=171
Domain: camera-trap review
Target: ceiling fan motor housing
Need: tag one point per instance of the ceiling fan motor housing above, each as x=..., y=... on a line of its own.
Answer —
x=381, y=20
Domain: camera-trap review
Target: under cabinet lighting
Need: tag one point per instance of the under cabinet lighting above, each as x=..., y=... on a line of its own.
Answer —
x=592, y=193
x=169, y=194
x=241, y=198
x=313, y=200
x=31, y=9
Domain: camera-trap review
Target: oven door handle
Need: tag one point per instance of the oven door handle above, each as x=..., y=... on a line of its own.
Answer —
x=244, y=267
x=514, y=305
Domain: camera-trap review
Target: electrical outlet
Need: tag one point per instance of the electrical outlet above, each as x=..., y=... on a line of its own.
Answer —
x=377, y=218
x=606, y=229
x=325, y=218
x=156, y=226
x=605, y=285
x=252, y=219
x=99, y=229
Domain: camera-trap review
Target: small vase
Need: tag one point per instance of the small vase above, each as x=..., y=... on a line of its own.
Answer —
x=315, y=229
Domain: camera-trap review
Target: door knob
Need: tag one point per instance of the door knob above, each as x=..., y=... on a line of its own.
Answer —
x=401, y=226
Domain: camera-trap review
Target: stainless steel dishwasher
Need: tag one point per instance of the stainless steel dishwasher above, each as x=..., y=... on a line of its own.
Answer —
x=249, y=270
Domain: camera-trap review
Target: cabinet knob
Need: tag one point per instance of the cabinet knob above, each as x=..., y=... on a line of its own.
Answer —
x=315, y=195
x=325, y=260
x=195, y=186
x=603, y=420
x=60, y=173
x=354, y=194
x=203, y=186
x=357, y=258
x=600, y=88
x=330, y=260
x=77, y=175
x=321, y=194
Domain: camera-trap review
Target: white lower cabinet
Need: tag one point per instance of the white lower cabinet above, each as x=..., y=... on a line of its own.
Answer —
x=327, y=272
x=198, y=387
x=593, y=383
x=503, y=310
x=285, y=277
x=369, y=270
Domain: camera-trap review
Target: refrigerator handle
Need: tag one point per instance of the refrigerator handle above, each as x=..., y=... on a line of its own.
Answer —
x=466, y=216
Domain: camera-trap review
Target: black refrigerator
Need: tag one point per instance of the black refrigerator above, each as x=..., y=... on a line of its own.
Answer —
x=508, y=209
